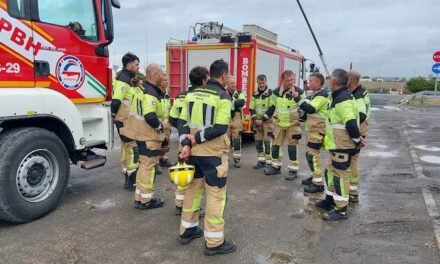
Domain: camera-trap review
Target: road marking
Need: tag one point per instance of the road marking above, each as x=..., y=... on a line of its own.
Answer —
x=427, y=195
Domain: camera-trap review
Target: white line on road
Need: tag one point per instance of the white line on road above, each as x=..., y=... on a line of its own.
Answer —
x=427, y=195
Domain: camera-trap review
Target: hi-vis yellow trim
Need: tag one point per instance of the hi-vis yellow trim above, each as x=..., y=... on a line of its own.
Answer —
x=39, y=30
x=17, y=84
x=88, y=100
x=3, y=5
x=15, y=54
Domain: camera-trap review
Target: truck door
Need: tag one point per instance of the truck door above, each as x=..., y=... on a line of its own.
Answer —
x=16, y=49
x=66, y=33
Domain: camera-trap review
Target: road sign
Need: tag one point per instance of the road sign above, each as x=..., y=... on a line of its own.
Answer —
x=436, y=56
x=436, y=68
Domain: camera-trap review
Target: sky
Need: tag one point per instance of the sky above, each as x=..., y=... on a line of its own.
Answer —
x=382, y=38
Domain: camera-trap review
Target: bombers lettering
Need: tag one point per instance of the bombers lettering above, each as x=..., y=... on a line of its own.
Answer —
x=18, y=36
x=244, y=75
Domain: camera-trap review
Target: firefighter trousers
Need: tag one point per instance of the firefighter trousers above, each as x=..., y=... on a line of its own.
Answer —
x=129, y=152
x=314, y=144
x=146, y=175
x=292, y=134
x=210, y=177
x=263, y=141
x=166, y=142
x=337, y=182
x=235, y=130
x=353, y=173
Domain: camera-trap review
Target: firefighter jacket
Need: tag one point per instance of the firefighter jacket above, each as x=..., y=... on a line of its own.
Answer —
x=206, y=114
x=122, y=95
x=146, y=115
x=283, y=107
x=176, y=109
x=342, y=127
x=238, y=101
x=166, y=104
x=260, y=103
x=363, y=104
x=316, y=110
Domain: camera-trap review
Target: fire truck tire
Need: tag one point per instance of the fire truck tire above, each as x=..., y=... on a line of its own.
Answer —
x=34, y=172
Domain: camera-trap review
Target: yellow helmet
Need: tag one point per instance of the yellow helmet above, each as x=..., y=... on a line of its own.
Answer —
x=181, y=174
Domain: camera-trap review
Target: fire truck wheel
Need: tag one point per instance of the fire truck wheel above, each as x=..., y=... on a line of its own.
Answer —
x=34, y=172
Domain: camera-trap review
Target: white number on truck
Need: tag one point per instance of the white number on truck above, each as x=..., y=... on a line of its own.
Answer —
x=12, y=67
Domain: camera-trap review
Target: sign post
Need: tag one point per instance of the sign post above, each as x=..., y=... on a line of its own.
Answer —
x=436, y=68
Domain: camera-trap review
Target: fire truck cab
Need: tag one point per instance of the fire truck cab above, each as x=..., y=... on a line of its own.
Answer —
x=54, y=81
x=249, y=53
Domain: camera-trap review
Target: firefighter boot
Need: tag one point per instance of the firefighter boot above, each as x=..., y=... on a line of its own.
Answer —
x=190, y=234
x=353, y=199
x=328, y=203
x=237, y=163
x=291, y=176
x=165, y=163
x=336, y=214
x=228, y=246
x=153, y=203
x=313, y=188
x=272, y=171
x=307, y=181
x=259, y=165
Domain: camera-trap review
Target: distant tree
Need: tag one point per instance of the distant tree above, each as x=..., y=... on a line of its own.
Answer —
x=419, y=84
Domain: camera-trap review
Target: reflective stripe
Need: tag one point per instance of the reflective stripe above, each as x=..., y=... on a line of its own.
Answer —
x=186, y=224
x=126, y=102
x=266, y=116
x=339, y=198
x=357, y=140
x=353, y=188
x=261, y=158
x=146, y=195
x=209, y=234
x=137, y=191
x=208, y=116
x=293, y=167
x=337, y=126
x=276, y=164
x=317, y=180
x=202, y=135
x=182, y=138
x=180, y=197
x=196, y=126
x=327, y=191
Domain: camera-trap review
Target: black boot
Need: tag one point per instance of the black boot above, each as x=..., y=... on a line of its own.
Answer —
x=307, y=181
x=178, y=210
x=353, y=199
x=336, y=214
x=313, y=188
x=272, y=171
x=130, y=181
x=237, y=163
x=127, y=181
x=259, y=165
x=228, y=246
x=291, y=176
x=165, y=163
x=327, y=204
x=190, y=234
x=153, y=203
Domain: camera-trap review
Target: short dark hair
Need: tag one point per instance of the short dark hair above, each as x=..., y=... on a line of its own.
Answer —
x=286, y=73
x=319, y=76
x=129, y=57
x=261, y=77
x=218, y=68
x=197, y=75
x=340, y=76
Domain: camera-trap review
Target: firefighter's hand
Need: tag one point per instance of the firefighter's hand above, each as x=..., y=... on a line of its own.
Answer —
x=294, y=93
x=192, y=138
x=185, y=152
x=258, y=122
x=363, y=142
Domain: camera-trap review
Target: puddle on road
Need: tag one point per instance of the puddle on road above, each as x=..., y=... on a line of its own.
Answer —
x=431, y=159
x=374, y=109
x=417, y=131
x=380, y=146
x=390, y=107
x=380, y=154
x=108, y=203
x=428, y=148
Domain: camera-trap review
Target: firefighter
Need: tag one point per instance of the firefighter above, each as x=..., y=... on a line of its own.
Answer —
x=362, y=98
x=198, y=77
x=147, y=126
x=120, y=109
x=316, y=110
x=166, y=104
x=236, y=126
x=286, y=124
x=342, y=140
x=205, y=144
x=263, y=127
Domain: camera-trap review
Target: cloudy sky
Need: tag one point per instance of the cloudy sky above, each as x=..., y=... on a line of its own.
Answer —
x=380, y=37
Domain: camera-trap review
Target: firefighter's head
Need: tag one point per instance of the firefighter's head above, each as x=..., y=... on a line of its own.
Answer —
x=165, y=83
x=262, y=81
x=316, y=81
x=219, y=71
x=232, y=84
x=130, y=62
x=288, y=79
x=154, y=74
x=353, y=79
x=198, y=76
x=338, y=79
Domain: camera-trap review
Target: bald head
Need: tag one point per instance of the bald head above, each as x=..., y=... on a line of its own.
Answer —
x=154, y=74
x=353, y=79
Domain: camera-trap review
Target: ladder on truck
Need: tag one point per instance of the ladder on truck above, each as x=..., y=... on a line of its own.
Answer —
x=175, y=67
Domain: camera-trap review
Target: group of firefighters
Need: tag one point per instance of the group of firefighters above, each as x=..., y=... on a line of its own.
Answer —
x=208, y=117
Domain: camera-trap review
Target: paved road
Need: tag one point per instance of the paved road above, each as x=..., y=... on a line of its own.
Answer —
x=270, y=218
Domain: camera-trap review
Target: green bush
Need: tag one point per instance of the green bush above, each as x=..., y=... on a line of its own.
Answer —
x=419, y=84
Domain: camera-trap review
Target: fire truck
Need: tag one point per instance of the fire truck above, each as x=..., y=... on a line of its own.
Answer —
x=54, y=82
x=249, y=53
